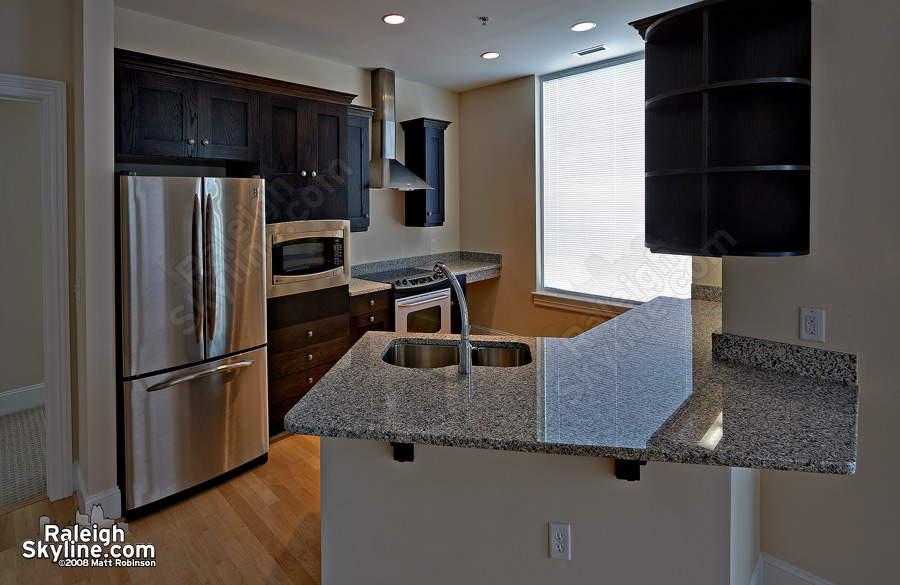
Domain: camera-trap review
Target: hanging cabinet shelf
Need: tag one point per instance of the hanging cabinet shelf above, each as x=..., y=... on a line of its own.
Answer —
x=727, y=127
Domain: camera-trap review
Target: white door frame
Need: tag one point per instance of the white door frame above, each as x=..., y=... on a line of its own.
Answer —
x=51, y=95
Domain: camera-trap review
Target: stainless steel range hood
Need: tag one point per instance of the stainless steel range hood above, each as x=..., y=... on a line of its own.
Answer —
x=385, y=172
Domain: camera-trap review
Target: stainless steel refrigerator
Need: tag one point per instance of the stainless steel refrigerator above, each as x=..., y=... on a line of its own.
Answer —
x=193, y=332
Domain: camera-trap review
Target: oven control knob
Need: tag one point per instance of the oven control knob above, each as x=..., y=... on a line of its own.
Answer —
x=405, y=281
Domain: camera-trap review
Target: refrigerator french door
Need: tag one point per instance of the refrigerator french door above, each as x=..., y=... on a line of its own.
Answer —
x=193, y=331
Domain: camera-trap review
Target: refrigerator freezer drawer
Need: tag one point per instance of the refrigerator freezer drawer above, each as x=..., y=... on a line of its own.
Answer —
x=191, y=425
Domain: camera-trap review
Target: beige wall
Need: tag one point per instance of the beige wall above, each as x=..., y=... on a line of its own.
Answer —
x=21, y=260
x=36, y=41
x=841, y=528
x=498, y=207
x=457, y=515
x=387, y=237
x=94, y=151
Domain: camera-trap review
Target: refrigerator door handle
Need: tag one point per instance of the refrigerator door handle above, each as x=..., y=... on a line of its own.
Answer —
x=211, y=278
x=196, y=284
x=204, y=373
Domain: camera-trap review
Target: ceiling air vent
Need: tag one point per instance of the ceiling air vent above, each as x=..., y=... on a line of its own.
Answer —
x=590, y=50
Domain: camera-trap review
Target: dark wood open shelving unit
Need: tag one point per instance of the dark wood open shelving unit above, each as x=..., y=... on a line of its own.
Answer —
x=727, y=128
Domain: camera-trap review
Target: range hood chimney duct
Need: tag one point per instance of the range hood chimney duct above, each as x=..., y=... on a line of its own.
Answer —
x=385, y=172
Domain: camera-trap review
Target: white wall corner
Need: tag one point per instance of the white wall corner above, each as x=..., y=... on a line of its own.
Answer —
x=110, y=501
x=757, y=577
x=774, y=571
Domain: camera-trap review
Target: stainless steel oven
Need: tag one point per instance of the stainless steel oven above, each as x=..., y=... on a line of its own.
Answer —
x=306, y=255
x=423, y=313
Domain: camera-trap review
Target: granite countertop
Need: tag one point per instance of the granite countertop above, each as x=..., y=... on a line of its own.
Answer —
x=641, y=386
x=477, y=266
x=358, y=286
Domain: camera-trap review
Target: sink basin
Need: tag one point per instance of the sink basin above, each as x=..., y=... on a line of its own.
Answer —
x=430, y=355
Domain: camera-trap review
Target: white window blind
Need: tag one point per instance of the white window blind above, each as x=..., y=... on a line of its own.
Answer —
x=593, y=172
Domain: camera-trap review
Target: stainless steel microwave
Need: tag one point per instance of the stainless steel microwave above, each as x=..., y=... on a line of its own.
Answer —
x=307, y=255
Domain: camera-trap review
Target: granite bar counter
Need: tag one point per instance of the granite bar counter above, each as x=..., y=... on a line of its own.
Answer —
x=642, y=386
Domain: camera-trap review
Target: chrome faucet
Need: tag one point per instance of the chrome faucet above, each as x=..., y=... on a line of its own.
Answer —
x=465, y=347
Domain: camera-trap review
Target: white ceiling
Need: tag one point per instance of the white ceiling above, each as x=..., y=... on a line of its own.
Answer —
x=442, y=40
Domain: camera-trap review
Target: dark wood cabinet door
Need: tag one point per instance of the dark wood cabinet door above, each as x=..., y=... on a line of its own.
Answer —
x=358, y=173
x=157, y=114
x=434, y=176
x=282, y=137
x=229, y=119
x=326, y=142
x=425, y=157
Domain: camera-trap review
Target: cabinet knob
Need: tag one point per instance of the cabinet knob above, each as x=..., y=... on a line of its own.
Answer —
x=309, y=356
x=309, y=333
x=313, y=173
x=205, y=142
x=427, y=213
x=191, y=141
x=309, y=380
x=365, y=216
x=302, y=173
x=371, y=302
x=372, y=319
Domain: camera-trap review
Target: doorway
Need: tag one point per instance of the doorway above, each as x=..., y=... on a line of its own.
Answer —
x=35, y=376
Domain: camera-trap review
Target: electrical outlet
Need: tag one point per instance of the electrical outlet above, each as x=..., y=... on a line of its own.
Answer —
x=433, y=245
x=560, y=541
x=812, y=324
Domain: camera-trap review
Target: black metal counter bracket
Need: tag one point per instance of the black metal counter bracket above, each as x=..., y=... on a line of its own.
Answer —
x=403, y=451
x=627, y=469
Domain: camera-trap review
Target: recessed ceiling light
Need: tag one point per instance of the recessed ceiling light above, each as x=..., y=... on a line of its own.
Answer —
x=583, y=26
x=490, y=55
x=394, y=18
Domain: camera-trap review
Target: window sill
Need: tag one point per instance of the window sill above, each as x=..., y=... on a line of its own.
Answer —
x=584, y=304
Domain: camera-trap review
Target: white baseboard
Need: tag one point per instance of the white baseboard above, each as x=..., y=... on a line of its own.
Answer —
x=22, y=398
x=109, y=501
x=479, y=330
x=772, y=571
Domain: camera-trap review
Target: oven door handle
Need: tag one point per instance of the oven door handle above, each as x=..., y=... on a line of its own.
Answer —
x=424, y=301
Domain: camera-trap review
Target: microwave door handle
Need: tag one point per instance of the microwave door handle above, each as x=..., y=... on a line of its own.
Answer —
x=182, y=379
x=196, y=278
x=210, y=268
x=426, y=301
x=280, y=238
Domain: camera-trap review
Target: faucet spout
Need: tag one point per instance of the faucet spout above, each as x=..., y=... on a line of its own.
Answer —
x=465, y=346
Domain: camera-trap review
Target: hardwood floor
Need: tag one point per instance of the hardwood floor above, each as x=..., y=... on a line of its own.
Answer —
x=260, y=527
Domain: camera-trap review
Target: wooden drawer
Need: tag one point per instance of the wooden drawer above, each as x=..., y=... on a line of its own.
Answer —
x=304, y=358
x=298, y=384
x=306, y=334
x=377, y=301
x=377, y=321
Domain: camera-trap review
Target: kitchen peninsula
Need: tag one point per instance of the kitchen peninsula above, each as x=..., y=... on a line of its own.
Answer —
x=642, y=386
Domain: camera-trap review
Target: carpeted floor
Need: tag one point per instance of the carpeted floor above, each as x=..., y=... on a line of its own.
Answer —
x=23, y=456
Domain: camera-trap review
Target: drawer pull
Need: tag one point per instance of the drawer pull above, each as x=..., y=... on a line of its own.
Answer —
x=372, y=319
x=309, y=333
x=309, y=356
x=309, y=380
x=371, y=302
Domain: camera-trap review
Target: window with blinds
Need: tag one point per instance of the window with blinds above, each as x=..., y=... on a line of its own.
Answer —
x=593, y=188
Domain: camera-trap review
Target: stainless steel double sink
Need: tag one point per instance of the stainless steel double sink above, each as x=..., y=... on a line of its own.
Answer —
x=411, y=354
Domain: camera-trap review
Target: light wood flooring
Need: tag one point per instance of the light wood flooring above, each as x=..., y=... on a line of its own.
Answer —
x=260, y=527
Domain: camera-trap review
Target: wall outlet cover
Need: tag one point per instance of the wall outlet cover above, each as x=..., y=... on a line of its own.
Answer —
x=812, y=324
x=560, y=541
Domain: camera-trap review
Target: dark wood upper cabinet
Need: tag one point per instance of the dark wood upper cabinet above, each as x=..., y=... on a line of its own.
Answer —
x=425, y=157
x=165, y=115
x=358, y=167
x=156, y=114
x=303, y=157
x=727, y=128
x=229, y=122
